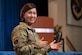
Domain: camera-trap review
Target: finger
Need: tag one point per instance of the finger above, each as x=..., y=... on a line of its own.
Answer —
x=59, y=46
x=46, y=42
x=54, y=41
x=42, y=38
x=60, y=43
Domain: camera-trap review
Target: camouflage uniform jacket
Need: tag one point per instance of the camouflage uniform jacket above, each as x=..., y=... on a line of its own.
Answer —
x=26, y=41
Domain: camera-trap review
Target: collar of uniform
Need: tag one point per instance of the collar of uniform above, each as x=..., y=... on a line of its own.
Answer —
x=29, y=27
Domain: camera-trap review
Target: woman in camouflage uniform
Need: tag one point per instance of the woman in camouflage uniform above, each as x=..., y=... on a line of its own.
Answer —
x=25, y=40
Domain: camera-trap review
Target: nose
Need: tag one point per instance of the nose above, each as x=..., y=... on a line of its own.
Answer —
x=32, y=14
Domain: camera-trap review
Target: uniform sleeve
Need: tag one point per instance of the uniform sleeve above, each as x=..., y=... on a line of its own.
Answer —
x=20, y=42
x=47, y=49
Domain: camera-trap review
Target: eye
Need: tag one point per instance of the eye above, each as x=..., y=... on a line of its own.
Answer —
x=34, y=13
x=29, y=12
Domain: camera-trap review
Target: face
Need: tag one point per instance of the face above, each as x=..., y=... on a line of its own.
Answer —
x=30, y=16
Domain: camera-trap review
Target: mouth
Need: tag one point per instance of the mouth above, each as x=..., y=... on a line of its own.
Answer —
x=32, y=20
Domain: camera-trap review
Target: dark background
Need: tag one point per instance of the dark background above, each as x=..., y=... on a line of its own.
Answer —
x=9, y=18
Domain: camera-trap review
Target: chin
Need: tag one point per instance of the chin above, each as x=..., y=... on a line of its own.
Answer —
x=31, y=23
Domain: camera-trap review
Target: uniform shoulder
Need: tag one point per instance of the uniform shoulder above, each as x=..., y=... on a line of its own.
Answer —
x=20, y=27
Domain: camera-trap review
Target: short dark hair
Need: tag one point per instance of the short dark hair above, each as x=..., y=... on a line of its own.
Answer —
x=25, y=8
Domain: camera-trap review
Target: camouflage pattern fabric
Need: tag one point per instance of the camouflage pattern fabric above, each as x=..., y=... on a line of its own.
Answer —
x=26, y=42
